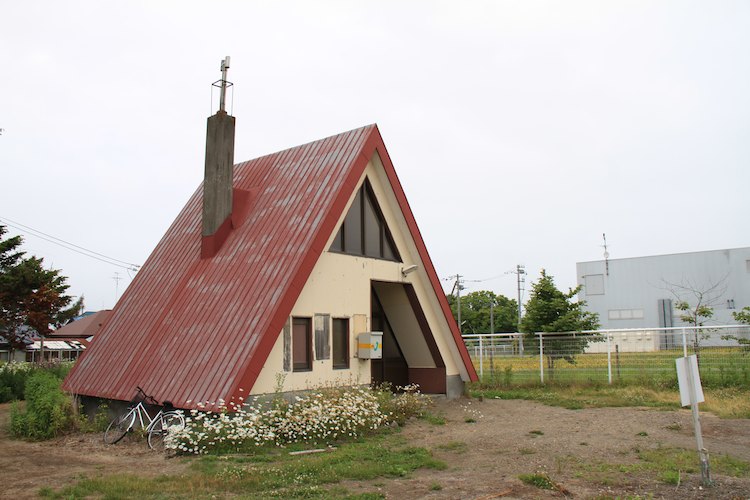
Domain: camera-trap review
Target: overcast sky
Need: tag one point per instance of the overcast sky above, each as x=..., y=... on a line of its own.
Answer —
x=521, y=130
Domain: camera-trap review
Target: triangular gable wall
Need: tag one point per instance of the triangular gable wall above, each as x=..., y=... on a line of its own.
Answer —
x=374, y=149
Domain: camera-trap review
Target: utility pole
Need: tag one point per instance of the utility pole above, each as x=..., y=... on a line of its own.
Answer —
x=492, y=315
x=520, y=273
x=457, y=286
x=117, y=279
x=606, y=254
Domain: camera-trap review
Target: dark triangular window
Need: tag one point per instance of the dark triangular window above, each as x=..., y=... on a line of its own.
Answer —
x=364, y=231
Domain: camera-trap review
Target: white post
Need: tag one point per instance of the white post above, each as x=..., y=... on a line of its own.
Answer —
x=684, y=343
x=702, y=451
x=541, y=358
x=481, y=359
x=609, y=358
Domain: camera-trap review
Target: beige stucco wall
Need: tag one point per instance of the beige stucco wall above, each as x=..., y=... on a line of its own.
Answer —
x=339, y=285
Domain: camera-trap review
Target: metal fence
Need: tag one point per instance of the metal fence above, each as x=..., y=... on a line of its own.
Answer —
x=633, y=356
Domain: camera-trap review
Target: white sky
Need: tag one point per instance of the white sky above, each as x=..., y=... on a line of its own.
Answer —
x=521, y=130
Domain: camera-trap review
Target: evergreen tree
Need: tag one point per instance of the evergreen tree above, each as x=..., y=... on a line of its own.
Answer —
x=29, y=294
x=551, y=310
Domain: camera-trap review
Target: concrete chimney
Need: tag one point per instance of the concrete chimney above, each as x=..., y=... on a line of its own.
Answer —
x=217, y=182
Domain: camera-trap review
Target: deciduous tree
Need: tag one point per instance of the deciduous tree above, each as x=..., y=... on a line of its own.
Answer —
x=742, y=317
x=478, y=308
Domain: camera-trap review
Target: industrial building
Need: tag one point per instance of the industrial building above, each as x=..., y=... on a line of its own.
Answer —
x=642, y=292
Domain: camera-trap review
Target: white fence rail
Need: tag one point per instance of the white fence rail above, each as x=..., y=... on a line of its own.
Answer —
x=613, y=356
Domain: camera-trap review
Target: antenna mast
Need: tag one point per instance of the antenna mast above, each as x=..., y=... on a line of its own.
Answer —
x=606, y=254
x=223, y=84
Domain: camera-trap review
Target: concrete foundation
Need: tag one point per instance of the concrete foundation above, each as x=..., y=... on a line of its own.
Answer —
x=454, y=386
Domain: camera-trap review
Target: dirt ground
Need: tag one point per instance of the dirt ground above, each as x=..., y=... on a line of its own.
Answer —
x=485, y=457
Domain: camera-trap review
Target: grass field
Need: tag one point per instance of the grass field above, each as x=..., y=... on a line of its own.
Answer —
x=719, y=367
x=725, y=402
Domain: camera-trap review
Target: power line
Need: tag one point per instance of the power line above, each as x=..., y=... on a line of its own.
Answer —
x=71, y=246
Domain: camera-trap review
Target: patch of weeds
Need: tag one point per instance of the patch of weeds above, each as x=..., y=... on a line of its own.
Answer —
x=670, y=477
x=282, y=476
x=435, y=487
x=536, y=433
x=665, y=464
x=642, y=434
x=472, y=413
x=675, y=459
x=674, y=426
x=526, y=451
x=46, y=492
x=232, y=473
x=541, y=481
x=583, y=443
x=433, y=419
x=454, y=446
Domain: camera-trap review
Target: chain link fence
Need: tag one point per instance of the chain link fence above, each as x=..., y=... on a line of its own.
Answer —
x=634, y=356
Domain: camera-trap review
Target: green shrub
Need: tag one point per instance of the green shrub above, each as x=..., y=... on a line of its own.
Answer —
x=49, y=412
x=14, y=375
x=400, y=407
x=13, y=380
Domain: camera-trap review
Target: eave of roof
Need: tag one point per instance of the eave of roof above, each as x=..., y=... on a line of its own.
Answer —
x=86, y=326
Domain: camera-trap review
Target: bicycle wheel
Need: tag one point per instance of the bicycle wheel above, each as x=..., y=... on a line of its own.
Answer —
x=170, y=420
x=119, y=427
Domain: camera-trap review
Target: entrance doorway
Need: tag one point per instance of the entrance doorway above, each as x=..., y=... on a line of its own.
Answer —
x=410, y=352
x=392, y=368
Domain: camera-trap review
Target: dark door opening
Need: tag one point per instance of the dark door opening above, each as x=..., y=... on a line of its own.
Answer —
x=392, y=368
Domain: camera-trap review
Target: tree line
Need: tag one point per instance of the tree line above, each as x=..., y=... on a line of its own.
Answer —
x=547, y=310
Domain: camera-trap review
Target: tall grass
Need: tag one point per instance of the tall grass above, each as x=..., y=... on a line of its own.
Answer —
x=730, y=402
x=719, y=367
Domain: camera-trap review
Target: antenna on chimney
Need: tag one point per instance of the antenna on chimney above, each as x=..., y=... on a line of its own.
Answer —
x=223, y=84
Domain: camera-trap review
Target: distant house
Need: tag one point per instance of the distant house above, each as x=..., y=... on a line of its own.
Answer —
x=64, y=344
x=273, y=276
x=7, y=351
x=82, y=328
x=641, y=292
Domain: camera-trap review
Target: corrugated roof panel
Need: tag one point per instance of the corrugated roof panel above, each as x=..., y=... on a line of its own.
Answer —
x=190, y=329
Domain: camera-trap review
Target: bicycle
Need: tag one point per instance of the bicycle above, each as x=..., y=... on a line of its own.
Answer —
x=156, y=427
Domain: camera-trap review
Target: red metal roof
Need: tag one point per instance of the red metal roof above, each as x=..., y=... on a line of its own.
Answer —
x=189, y=329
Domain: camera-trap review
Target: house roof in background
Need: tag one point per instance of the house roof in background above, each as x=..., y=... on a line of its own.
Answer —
x=87, y=325
x=191, y=330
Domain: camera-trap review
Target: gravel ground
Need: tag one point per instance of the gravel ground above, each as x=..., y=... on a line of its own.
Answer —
x=486, y=445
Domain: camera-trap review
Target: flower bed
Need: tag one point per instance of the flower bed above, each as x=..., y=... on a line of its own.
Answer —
x=322, y=416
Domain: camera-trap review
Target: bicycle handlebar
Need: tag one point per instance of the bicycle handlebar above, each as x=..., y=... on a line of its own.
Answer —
x=146, y=397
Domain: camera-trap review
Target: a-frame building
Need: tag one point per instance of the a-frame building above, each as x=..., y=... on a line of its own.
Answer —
x=316, y=245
